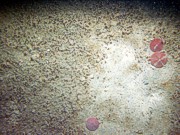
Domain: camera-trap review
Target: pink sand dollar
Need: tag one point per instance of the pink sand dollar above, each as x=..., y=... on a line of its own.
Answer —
x=158, y=59
x=92, y=123
x=157, y=44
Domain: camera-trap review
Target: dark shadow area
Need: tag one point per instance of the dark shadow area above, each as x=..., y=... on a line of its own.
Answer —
x=151, y=3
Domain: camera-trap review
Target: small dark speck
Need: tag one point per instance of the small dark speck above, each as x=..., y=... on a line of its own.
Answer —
x=146, y=83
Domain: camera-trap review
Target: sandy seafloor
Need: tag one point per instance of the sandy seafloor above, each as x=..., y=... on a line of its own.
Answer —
x=62, y=62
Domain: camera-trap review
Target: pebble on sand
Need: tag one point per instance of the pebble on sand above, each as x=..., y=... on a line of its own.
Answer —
x=158, y=59
x=157, y=44
x=92, y=123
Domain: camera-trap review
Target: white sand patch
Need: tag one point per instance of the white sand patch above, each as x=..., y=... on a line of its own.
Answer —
x=130, y=88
